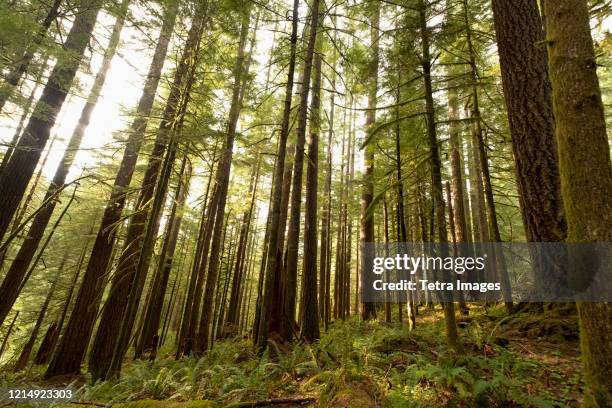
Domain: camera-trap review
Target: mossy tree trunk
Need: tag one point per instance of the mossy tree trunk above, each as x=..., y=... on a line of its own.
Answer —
x=586, y=172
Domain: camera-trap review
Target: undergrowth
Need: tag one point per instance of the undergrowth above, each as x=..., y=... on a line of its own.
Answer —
x=522, y=360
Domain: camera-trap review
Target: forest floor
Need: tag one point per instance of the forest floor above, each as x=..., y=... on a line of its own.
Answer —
x=511, y=361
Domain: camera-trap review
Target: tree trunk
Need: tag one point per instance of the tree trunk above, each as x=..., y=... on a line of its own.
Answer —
x=26, y=111
x=436, y=177
x=233, y=312
x=325, y=216
x=153, y=312
x=519, y=34
x=8, y=333
x=270, y=296
x=133, y=263
x=368, y=309
x=72, y=347
x=24, y=357
x=388, y=299
x=309, y=305
x=20, y=168
x=222, y=181
x=586, y=175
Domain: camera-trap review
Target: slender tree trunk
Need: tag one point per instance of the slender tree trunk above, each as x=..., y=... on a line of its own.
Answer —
x=586, y=177
x=155, y=305
x=233, y=312
x=24, y=357
x=388, y=299
x=8, y=333
x=20, y=168
x=222, y=181
x=191, y=310
x=325, y=232
x=309, y=305
x=50, y=341
x=270, y=296
x=72, y=347
x=436, y=178
x=368, y=309
x=484, y=168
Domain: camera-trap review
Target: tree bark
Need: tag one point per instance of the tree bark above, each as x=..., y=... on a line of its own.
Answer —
x=527, y=92
x=586, y=176
x=233, y=312
x=270, y=296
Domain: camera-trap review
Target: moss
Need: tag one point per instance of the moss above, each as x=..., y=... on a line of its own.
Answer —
x=167, y=404
x=353, y=398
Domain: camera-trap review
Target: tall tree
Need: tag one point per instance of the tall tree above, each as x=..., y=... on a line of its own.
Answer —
x=436, y=167
x=519, y=33
x=586, y=175
x=273, y=256
x=222, y=182
x=293, y=232
x=152, y=316
x=72, y=347
x=308, y=305
x=135, y=253
x=368, y=310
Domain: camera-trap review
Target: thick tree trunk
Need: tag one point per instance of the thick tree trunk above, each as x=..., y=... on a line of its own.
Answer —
x=18, y=171
x=586, y=175
x=519, y=35
x=72, y=347
x=21, y=263
x=518, y=29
